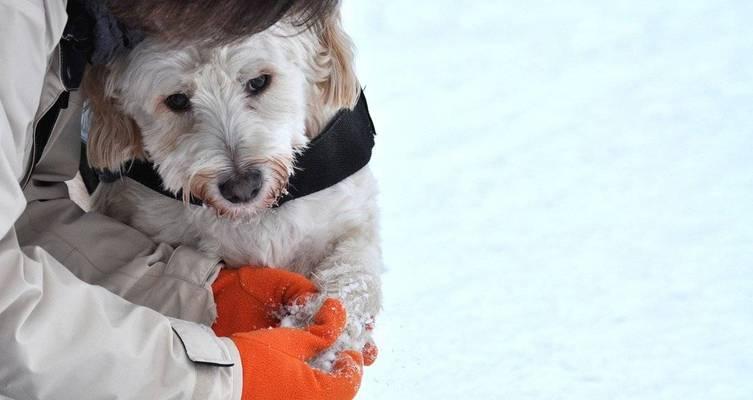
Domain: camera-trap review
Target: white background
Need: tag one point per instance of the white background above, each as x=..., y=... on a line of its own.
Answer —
x=567, y=197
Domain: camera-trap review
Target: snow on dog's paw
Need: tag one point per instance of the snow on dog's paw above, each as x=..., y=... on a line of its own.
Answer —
x=300, y=315
x=354, y=336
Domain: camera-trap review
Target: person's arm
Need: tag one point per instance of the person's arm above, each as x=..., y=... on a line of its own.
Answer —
x=64, y=339
x=60, y=337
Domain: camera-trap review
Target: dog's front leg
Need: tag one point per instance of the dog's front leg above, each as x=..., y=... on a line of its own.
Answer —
x=351, y=273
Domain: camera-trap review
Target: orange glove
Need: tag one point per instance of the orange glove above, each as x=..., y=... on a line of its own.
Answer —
x=370, y=352
x=248, y=298
x=274, y=361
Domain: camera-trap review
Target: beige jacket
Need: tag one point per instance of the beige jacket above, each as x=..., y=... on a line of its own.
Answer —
x=85, y=300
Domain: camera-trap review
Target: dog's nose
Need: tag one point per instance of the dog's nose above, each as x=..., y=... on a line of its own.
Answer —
x=242, y=188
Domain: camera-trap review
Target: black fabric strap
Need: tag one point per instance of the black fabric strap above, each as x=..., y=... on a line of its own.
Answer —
x=144, y=172
x=342, y=149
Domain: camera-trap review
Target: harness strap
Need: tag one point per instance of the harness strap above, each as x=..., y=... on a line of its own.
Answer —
x=343, y=148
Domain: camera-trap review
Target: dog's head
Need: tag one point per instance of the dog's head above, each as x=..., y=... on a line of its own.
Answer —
x=223, y=124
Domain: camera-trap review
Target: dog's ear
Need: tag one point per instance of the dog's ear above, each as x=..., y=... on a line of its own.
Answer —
x=340, y=89
x=114, y=137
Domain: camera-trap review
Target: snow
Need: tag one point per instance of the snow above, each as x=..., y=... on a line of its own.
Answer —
x=567, y=197
x=304, y=316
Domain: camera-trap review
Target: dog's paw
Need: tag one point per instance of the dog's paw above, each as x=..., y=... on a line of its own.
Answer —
x=355, y=336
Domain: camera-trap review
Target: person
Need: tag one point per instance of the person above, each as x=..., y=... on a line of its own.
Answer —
x=93, y=309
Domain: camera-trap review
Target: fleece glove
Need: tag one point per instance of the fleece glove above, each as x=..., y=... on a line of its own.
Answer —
x=274, y=361
x=250, y=298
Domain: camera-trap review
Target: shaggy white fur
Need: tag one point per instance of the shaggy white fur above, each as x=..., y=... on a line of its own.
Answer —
x=330, y=236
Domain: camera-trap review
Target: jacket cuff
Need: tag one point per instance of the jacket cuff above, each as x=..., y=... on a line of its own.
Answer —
x=196, y=271
x=201, y=344
x=236, y=369
x=218, y=364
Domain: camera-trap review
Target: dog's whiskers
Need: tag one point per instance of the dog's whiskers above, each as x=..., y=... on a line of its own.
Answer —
x=281, y=171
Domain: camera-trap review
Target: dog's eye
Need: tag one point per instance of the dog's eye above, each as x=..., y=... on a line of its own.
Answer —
x=256, y=85
x=178, y=102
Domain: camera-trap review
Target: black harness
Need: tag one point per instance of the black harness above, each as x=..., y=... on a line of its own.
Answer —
x=342, y=149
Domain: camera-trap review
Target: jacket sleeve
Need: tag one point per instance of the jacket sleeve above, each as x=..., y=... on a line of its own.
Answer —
x=65, y=339
x=61, y=337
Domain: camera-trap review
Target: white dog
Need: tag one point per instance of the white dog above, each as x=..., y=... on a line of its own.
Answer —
x=224, y=125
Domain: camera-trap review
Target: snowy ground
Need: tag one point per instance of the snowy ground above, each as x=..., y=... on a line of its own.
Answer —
x=567, y=195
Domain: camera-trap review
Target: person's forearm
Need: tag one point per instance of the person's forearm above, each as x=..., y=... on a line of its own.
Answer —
x=65, y=339
x=102, y=251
